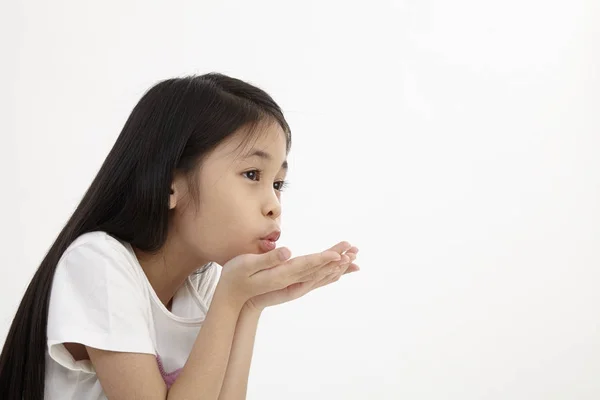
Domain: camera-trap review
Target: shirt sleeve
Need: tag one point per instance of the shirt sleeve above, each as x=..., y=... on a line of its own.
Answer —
x=98, y=300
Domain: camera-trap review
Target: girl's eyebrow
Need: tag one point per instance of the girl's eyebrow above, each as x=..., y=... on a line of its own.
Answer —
x=266, y=156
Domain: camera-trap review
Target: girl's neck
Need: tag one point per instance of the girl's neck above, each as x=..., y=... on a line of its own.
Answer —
x=168, y=269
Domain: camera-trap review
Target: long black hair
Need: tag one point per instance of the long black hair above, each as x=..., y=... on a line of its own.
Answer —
x=172, y=127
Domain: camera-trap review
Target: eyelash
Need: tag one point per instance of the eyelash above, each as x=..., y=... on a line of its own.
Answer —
x=284, y=184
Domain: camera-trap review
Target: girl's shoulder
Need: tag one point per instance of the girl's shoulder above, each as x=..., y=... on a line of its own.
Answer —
x=98, y=238
x=101, y=243
x=99, y=251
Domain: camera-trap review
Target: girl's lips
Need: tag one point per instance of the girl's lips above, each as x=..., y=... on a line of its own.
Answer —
x=267, y=245
x=273, y=236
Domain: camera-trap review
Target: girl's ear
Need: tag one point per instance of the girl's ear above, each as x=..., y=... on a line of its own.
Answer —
x=172, y=199
x=176, y=192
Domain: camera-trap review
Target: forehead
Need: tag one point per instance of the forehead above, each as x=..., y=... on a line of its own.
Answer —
x=266, y=138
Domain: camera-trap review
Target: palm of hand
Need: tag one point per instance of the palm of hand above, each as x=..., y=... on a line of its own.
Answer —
x=299, y=289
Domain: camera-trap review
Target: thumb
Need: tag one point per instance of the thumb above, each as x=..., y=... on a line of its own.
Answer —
x=272, y=258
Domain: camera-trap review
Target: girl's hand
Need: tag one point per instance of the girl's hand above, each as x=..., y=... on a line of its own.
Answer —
x=250, y=275
x=327, y=273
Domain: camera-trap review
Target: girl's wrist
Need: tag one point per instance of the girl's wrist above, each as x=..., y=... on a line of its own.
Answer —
x=250, y=308
x=224, y=296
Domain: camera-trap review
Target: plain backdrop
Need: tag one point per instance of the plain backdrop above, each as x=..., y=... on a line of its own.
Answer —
x=456, y=143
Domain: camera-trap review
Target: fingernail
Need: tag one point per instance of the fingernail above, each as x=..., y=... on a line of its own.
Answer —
x=284, y=254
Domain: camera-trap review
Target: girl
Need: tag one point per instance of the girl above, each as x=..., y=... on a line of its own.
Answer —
x=192, y=183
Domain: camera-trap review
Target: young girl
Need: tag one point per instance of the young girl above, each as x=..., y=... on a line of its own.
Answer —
x=116, y=308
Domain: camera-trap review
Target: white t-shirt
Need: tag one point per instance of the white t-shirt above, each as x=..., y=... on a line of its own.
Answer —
x=102, y=298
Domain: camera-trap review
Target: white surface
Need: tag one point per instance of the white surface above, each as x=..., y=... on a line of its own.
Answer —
x=456, y=143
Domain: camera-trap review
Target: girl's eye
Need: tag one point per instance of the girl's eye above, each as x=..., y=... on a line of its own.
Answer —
x=255, y=174
x=280, y=185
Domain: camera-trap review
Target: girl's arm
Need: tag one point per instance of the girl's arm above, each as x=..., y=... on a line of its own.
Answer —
x=136, y=376
x=235, y=384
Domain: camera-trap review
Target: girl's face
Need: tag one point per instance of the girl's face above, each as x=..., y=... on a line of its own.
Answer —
x=239, y=198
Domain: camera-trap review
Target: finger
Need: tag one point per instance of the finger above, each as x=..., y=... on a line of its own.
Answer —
x=316, y=271
x=352, y=268
x=342, y=270
x=338, y=270
x=337, y=266
x=319, y=271
x=333, y=266
x=328, y=280
x=345, y=249
x=324, y=281
x=270, y=259
x=353, y=250
x=331, y=278
x=343, y=266
x=341, y=247
x=291, y=270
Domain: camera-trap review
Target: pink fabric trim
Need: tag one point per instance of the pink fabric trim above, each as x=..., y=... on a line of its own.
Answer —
x=169, y=377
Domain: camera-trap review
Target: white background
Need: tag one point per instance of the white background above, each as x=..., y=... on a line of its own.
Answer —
x=456, y=143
